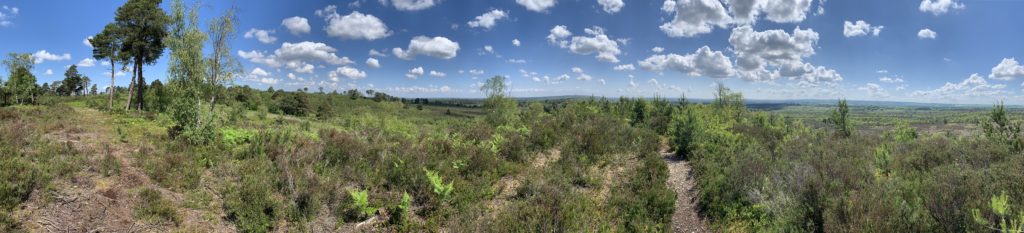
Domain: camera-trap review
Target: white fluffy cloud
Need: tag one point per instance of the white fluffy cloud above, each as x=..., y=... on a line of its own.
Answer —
x=488, y=20
x=414, y=73
x=874, y=90
x=1007, y=69
x=49, y=72
x=488, y=49
x=611, y=6
x=347, y=72
x=558, y=34
x=926, y=34
x=411, y=5
x=625, y=67
x=259, y=72
x=439, y=47
x=297, y=56
x=476, y=72
x=437, y=73
x=41, y=56
x=860, y=28
x=974, y=86
x=261, y=76
x=757, y=51
x=779, y=11
x=515, y=42
x=694, y=17
x=354, y=26
x=87, y=62
x=887, y=79
x=703, y=62
x=657, y=49
x=938, y=7
x=296, y=25
x=6, y=14
x=605, y=48
x=537, y=5
x=373, y=62
x=261, y=35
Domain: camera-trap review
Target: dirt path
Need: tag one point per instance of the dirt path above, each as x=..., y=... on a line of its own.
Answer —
x=686, y=218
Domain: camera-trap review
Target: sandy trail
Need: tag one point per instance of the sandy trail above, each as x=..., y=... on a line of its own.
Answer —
x=686, y=218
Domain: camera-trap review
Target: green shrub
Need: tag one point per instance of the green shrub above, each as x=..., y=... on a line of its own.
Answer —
x=359, y=208
x=250, y=204
x=154, y=208
x=439, y=187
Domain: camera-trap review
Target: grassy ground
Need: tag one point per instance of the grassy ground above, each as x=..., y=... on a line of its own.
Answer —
x=91, y=169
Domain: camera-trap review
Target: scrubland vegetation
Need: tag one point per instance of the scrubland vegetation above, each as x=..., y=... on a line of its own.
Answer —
x=199, y=154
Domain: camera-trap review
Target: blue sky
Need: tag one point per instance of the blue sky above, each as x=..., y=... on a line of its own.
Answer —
x=768, y=49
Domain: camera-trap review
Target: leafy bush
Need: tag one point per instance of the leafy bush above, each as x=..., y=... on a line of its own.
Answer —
x=439, y=187
x=359, y=208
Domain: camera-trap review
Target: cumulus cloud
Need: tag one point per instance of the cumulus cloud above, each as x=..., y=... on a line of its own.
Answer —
x=611, y=6
x=625, y=67
x=41, y=56
x=694, y=17
x=437, y=73
x=439, y=47
x=973, y=86
x=860, y=28
x=657, y=49
x=926, y=34
x=296, y=25
x=537, y=5
x=261, y=35
x=779, y=11
x=703, y=62
x=87, y=62
x=488, y=20
x=259, y=72
x=874, y=90
x=756, y=52
x=558, y=34
x=373, y=62
x=488, y=49
x=419, y=89
x=476, y=72
x=515, y=42
x=887, y=79
x=604, y=48
x=6, y=14
x=261, y=76
x=49, y=72
x=297, y=56
x=414, y=73
x=938, y=7
x=354, y=26
x=1007, y=69
x=375, y=53
x=346, y=72
x=411, y=5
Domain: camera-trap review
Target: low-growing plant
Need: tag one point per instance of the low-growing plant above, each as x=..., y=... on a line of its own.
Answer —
x=154, y=208
x=359, y=207
x=439, y=187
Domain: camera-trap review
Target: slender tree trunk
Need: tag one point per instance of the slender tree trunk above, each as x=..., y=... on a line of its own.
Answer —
x=131, y=88
x=111, y=90
x=140, y=91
